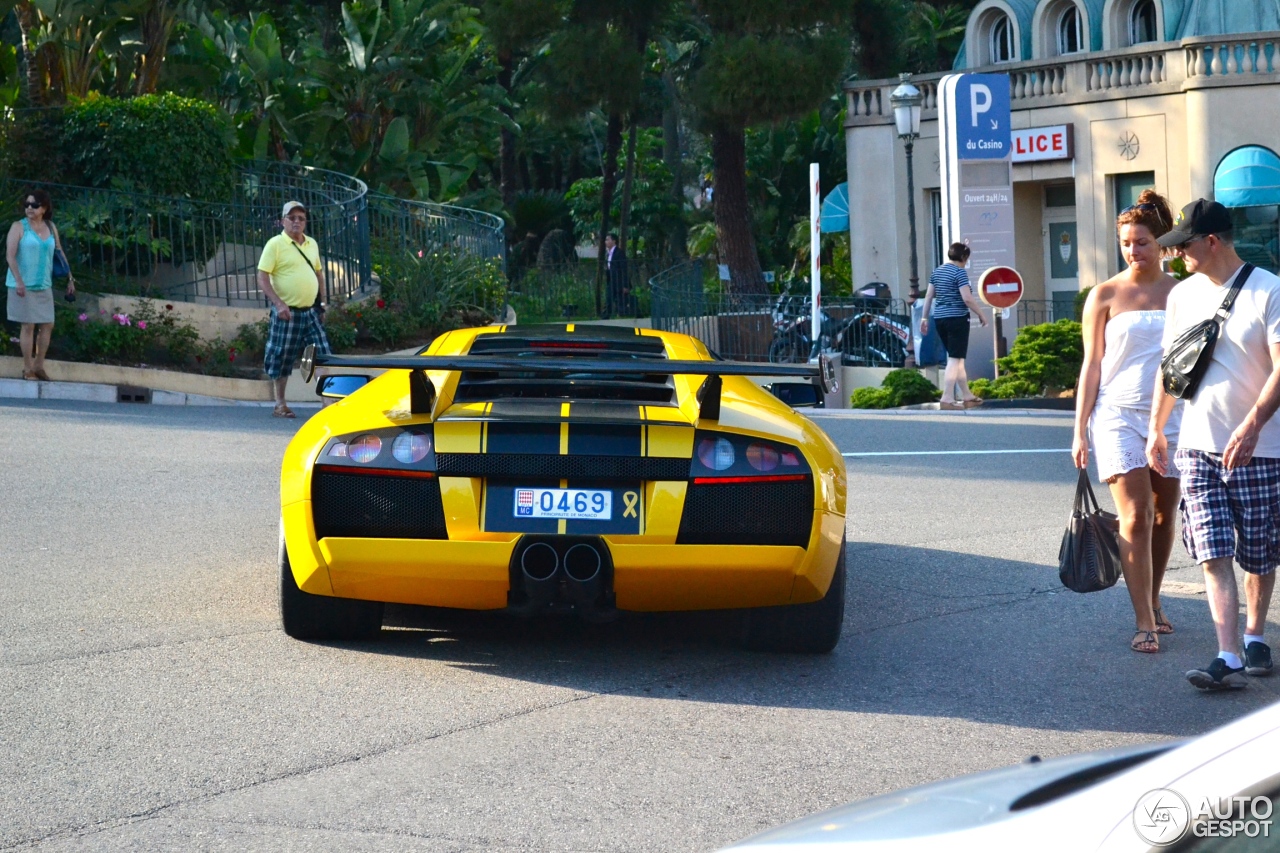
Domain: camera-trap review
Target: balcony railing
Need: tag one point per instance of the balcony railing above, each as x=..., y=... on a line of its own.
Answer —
x=1159, y=68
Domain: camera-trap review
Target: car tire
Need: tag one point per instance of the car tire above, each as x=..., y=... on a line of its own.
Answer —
x=321, y=617
x=811, y=628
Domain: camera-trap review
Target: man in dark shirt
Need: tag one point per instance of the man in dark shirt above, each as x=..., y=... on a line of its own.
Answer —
x=619, y=301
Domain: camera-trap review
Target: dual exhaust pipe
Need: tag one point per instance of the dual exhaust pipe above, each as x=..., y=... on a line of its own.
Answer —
x=580, y=569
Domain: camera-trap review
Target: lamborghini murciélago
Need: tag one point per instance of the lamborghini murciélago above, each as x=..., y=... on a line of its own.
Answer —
x=584, y=469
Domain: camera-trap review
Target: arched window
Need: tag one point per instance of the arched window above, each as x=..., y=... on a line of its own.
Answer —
x=1001, y=43
x=1070, y=31
x=1142, y=22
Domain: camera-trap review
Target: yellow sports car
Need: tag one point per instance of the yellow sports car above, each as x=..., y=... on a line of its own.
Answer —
x=585, y=469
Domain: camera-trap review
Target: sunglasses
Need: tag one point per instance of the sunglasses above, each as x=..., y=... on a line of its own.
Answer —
x=32, y=205
x=296, y=218
x=1183, y=245
x=1145, y=207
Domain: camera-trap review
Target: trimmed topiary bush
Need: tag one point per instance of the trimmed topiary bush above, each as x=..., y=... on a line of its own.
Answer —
x=901, y=387
x=158, y=144
x=871, y=398
x=909, y=387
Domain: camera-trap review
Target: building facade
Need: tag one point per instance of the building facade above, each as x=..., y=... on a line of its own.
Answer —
x=1109, y=97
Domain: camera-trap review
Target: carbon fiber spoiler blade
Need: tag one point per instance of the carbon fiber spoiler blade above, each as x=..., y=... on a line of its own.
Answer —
x=556, y=366
x=822, y=373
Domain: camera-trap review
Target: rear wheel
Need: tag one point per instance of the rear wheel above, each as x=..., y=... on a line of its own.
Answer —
x=812, y=628
x=322, y=617
x=787, y=350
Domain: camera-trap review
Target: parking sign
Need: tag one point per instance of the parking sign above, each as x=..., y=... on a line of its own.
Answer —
x=982, y=117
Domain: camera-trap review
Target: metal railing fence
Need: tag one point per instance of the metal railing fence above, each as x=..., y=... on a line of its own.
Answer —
x=1034, y=311
x=560, y=292
x=777, y=328
x=207, y=251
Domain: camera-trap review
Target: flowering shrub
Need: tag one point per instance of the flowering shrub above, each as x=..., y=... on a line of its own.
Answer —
x=148, y=336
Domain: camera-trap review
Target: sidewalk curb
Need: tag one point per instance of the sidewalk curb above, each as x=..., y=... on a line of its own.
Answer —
x=23, y=389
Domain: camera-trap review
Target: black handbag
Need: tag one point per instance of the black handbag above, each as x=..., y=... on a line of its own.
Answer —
x=1089, y=559
x=1184, y=365
x=61, y=269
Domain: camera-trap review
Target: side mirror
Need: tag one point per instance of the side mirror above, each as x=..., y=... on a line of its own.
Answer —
x=339, y=385
x=797, y=395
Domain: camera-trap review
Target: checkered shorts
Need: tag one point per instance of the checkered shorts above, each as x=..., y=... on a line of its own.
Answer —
x=285, y=339
x=1230, y=512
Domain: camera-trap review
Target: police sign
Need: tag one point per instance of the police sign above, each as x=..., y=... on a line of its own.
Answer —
x=982, y=117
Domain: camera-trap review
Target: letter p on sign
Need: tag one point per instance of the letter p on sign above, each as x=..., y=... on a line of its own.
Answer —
x=979, y=101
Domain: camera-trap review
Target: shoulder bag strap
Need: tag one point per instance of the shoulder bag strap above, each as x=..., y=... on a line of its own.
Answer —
x=308, y=260
x=1230, y=299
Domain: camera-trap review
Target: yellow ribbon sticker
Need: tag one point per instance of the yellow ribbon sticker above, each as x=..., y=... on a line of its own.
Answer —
x=630, y=499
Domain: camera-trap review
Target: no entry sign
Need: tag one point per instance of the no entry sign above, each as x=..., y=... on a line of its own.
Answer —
x=1000, y=287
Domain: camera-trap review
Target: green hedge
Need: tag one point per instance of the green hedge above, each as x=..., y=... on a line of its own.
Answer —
x=156, y=144
x=160, y=144
x=901, y=387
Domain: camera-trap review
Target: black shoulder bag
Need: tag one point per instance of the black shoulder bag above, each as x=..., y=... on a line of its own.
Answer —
x=1089, y=558
x=319, y=303
x=1184, y=365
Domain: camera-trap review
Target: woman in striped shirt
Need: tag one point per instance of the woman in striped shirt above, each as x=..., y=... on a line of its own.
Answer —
x=948, y=302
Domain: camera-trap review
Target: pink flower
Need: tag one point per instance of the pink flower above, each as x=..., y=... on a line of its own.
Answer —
x=419, y=253
x=142, y=324
x=122, y=319
x=84, y=317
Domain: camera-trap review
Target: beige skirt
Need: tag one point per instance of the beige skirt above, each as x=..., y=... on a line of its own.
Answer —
x=35, y=307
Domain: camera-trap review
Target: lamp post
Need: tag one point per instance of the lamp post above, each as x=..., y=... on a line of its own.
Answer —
x=907, y=101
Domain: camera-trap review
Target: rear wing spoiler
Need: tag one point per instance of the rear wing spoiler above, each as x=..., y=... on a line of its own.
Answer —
x=821, y=372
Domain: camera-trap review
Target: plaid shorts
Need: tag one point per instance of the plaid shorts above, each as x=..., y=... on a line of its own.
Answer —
x=285, y=339
x=1230, y=512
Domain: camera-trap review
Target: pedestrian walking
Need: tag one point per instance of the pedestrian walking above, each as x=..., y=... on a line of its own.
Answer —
x=289, y=276
x=32, y=242
x=1124, y=322
x=1229, y=445
x=947, y=304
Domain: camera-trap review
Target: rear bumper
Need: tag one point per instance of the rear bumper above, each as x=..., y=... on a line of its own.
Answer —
x=650, y=573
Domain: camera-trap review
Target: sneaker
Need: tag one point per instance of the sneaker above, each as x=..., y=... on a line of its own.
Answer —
x=1218, y=676
x=1257, y=658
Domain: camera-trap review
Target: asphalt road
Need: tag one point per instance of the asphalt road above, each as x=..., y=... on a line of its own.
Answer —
x=148, y=699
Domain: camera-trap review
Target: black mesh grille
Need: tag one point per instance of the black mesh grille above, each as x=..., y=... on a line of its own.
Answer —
x=747, y=514
x=561, y=467
x=376, y=507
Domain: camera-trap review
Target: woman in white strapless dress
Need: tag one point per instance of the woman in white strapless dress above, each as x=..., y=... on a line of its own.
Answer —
x=1123, y=327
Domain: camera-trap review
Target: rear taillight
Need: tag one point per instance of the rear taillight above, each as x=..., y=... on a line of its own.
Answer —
x=724, y=456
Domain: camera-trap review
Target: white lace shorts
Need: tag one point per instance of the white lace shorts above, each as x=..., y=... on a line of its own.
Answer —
x=1119, y=439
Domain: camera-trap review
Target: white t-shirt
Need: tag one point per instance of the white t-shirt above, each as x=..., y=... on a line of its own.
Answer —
x=1241, y=361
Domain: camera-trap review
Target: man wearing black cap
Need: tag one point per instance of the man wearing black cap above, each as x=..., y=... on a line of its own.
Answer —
x=1229, y=449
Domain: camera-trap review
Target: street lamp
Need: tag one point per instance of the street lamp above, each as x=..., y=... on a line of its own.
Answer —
x=906, y=101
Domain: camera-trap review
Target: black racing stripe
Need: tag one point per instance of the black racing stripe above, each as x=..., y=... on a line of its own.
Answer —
x=604, y=440
x=533, y=468
x=531, y=410
x=606, y=410
x=523, y=438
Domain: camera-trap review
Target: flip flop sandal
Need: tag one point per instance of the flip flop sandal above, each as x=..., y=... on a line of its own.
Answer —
x=1145, y=642
x=1163, y=625
x=972, y=404
x=282, y=412
x=950, y=407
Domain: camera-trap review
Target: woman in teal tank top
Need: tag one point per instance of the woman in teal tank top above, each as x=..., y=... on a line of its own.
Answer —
x=29, y=283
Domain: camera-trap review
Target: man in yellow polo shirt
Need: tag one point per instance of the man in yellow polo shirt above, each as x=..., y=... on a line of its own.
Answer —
x=289, y=276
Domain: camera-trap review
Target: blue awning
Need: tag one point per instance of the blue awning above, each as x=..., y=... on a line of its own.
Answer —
x=1248, y=177
x=835, y=210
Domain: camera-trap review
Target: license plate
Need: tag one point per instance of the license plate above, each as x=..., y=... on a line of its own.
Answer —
x=570, y=504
